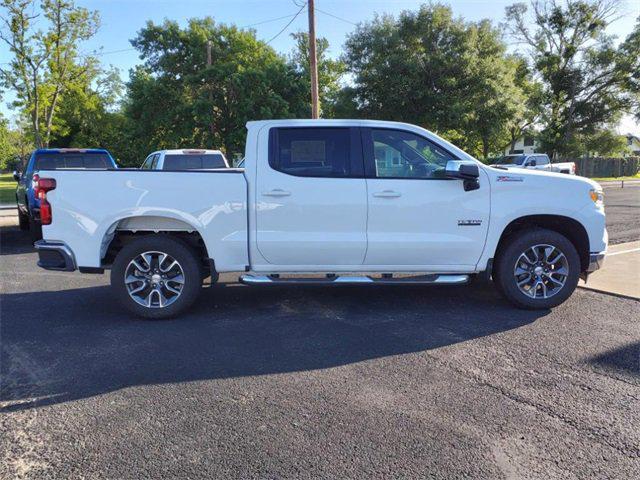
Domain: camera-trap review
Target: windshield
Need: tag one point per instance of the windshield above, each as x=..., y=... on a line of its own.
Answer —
x=193, y=162
x=511, y=160
x=54, y=161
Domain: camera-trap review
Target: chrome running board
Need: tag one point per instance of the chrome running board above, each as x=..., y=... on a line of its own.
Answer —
x=432, y=279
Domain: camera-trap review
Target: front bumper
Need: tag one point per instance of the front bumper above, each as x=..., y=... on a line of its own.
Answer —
x=596, y=260
x=55, y=256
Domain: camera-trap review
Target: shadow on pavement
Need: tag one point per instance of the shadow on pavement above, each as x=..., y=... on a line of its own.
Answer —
x=72, y=344
x=624, y=359
x=14, y=241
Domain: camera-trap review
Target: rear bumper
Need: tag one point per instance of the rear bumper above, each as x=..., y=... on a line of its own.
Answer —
x=55, y=256
x=596, y=260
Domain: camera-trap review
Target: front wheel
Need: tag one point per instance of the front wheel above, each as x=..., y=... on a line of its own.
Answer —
x=537, y=269
x=156, y=276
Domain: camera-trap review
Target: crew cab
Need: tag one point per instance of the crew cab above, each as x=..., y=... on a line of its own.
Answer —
x=326, y=202
x=51, y=159
x=185, y=159
x=536, y=161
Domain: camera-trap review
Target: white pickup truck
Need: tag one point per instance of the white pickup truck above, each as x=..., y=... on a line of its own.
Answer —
x=536, y=161
x=328, y=202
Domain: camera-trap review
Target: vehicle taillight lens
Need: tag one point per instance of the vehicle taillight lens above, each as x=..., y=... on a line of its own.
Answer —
x=41, y=187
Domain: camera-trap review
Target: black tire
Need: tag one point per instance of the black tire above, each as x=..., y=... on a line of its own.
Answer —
x=172, y=246
x=510, y=252
x=23, y=221
x=35, y=229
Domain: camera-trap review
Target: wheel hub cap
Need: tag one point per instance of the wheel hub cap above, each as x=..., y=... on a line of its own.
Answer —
x=154, y=279
x=541, y=271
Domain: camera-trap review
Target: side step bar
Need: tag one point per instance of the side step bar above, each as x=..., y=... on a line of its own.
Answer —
x=433, y=279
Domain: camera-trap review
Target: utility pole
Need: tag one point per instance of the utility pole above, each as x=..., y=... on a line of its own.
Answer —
x=313, y=61
x=212, y=126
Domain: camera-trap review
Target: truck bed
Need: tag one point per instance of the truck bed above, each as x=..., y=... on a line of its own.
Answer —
x=88, y=206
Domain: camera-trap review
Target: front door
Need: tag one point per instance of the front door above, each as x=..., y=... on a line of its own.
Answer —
x=311, y=198
x=418, y=217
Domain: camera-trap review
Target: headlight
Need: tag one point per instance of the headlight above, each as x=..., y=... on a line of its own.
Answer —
x=597, y=196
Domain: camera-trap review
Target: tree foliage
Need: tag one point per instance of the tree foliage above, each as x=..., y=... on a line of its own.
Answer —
x=432, y=69
x=586, y=79
x=176, y=100
x=330, y=72
x=45, y=64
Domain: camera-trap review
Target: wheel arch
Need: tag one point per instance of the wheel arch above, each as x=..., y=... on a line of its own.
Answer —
x=126, y=228
x=575, y=232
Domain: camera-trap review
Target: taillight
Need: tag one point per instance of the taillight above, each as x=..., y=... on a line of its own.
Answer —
x=41, y=187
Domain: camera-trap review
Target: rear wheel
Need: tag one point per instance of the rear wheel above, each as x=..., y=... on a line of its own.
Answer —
x=537, y=269
x=156, y=276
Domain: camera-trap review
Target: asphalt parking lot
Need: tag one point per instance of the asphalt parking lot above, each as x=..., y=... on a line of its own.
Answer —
x=353, y=382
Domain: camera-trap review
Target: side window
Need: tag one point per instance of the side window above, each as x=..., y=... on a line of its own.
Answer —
x=147, y=163
x=542, y=160
x=315, y=152
x=401, y=154
x=154, y=161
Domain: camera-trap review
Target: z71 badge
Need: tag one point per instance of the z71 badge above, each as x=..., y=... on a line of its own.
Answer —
x=508, y=178
x=469, y=223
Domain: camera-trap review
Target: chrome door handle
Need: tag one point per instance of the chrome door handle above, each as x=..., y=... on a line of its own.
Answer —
x=277, y=192
x=387, y=194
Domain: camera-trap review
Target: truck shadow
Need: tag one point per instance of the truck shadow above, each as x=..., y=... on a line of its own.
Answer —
x=73, y=344
x=13, y=241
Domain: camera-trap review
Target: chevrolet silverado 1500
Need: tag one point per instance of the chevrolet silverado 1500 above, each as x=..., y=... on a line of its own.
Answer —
x=329, y=202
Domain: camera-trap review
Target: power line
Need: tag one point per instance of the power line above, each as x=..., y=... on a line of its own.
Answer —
x=268, y=21
x=336, y=17
x=287, y=25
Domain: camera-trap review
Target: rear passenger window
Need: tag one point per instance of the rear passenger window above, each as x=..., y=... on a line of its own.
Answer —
x=314, y=152
x=542, y=160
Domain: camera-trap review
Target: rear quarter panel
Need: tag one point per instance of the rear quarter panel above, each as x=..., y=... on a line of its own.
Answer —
x=87, y=205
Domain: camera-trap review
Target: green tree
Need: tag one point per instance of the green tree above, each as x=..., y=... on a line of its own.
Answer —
x=330, y=71
x=46, y=63
x=14, y=146
x=434, y=70
x=585, y=78
x=176, y=100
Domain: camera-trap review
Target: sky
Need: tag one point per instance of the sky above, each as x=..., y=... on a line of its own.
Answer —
x=335, y=19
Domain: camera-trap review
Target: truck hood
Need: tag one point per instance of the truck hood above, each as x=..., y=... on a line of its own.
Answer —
x=542, y=177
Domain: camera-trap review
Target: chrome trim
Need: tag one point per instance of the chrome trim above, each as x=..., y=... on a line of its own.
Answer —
x=596, y=261
x=63, y=249
x=431, y=279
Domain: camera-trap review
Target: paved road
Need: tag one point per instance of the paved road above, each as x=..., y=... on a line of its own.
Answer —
x=312, y=383
x=622, y=206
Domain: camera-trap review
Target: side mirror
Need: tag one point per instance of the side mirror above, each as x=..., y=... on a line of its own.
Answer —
x=468, y=172
x=17, y=175
x=462, y=170
x=532, y=163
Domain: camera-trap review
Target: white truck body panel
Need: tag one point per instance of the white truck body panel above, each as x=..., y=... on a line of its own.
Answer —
x=86, y=211
x=266, y=221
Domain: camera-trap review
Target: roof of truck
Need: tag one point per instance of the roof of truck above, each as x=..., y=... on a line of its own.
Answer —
x=188, y=151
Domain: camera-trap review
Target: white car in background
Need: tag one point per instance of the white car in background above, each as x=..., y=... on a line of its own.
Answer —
x=188, y=159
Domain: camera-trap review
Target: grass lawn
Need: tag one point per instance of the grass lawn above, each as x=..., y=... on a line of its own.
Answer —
x=7, y=189
x=615, y=179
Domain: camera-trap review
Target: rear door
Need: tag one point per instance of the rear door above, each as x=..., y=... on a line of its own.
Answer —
x=311, y=198
x=417, y=216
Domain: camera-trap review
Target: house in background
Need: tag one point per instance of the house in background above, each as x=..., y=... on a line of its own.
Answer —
x=633, y=145
x=525, y=144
